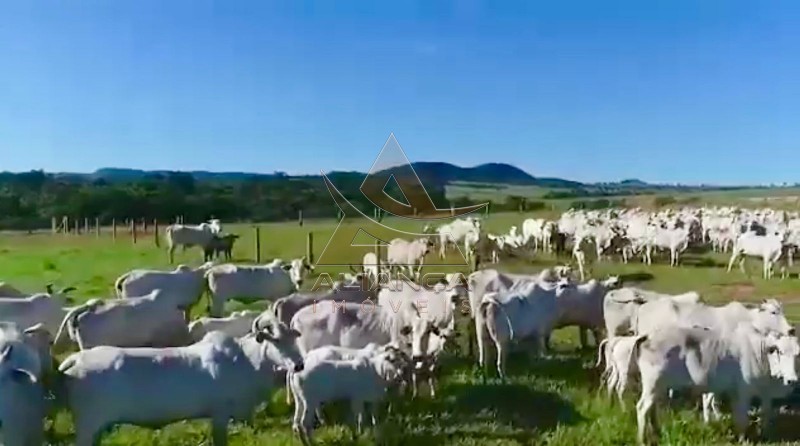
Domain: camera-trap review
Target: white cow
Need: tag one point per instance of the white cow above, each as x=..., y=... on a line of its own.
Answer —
x=285, y=308
x=22, y=407
x=621, y=307
x=582, y=305
x=525, y=312
x=361, y=381
x=254, y=282
x=235, y=325
x=220, y=378
x=184, y=284
x=188, y=236
x=742, y=363
x=455, y=232
x=768, y=247
x=371, y=266
x=147, y=321
x=616, y=352
x=41, y=308
x=410, y=255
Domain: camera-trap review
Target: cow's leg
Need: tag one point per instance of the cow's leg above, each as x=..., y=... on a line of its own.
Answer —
x=171, y=253
x=708, y=399
x=432, y=384
x=480, y=326
x=730, y=263
x=219, y=430
x=767, y=418
x=502, y=354
x=740, y=416
x=741, y=264
x=621, y=385
x=87, y=432
x=644, y=407
x=584, y=337
x=357, y=411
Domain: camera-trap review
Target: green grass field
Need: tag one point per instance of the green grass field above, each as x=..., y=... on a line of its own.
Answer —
x=553, y=402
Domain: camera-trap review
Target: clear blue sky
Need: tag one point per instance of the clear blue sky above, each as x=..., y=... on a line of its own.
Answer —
x=671, y=91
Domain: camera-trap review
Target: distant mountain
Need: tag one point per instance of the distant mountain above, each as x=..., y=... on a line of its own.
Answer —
x=433, y=173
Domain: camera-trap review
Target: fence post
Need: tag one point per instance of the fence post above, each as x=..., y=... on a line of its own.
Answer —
x=65, y=224
x=300, y=217
x=86, y=225
x=488, y=205
x=144, y=226
x=258, y=244
x=155, y=233
x=378, y=261
x=133, y=230
x=53, y=225
x=77, y=226
x=114, y=229
x=310, y=247
x=97, y=227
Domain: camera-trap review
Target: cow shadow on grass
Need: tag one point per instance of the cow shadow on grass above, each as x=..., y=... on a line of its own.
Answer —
x=639, y=276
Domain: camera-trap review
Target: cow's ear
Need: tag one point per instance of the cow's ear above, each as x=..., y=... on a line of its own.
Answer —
x=286, y=267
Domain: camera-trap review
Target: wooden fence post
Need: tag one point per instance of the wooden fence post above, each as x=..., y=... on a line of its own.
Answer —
x=53, y=225
x=257, y=244
x=378, y=260
x=300, y=217
x=65, y=224
x=133, y=230
x=144, y=226
x=155, y=233
x=114, y=229
x=86, y=225
x=97, y=227
x=310, y=248
x=77, y=226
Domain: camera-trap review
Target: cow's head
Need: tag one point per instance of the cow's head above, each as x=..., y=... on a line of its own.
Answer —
x=392, y=363
x=769, y=317
x=298, y=270
x=280, y=344
x=782, y=352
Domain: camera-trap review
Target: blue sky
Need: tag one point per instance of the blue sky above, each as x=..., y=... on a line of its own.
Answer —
x=668, y=91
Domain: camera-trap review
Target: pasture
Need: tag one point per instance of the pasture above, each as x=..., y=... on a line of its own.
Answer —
x=549, y=402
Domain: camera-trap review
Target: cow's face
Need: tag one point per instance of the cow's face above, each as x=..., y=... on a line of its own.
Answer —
x=769, y=317
x=298, y=270
x=782, y=352
x=280, y=345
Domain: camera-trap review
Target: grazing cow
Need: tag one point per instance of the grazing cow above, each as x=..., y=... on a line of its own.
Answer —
x=220, y=378
x=620, y=307
x=411, y=255
x=582, y=305
x=23, y=406
x=455, y=232
x=742, y=363
x=185, y=285
x=675, y=240
x=147, y=321
x=769, y=247
x=41, y=308
x=189, y=236
x=285, y=308
x=527, y=311
x=254, y=282
x=235, y=325
x=220, y=245
x=360, y=381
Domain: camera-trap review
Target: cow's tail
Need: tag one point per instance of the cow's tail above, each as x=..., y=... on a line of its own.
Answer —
x=70, y=320
x=119, y=284
x=601, y=352
x=489, y=310
x=634, y=357
x=289, y=392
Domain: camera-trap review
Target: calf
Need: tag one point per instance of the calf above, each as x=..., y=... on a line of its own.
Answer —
x=361, y=381
x=189, y=236
x=220, y=245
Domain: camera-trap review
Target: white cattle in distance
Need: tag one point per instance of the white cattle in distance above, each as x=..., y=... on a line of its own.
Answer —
x=743, y=363
x=184, y=284
x=235, y=325
x=147, y=321
x=23, y=407
x=219, y=378
x=188, y=236
x=455, y=232
x=408, y=254
x=360, y=381
x=254, y=282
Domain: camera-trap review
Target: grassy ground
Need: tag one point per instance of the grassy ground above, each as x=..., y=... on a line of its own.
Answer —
x=553, y=402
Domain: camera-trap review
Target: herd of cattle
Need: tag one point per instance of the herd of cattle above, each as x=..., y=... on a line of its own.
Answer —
x=140, y=360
